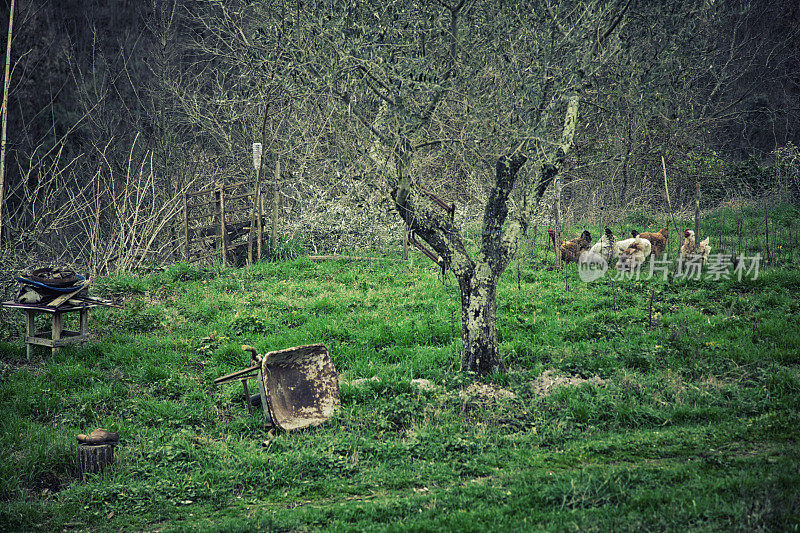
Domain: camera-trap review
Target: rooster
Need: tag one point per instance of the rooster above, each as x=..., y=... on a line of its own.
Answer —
x=605, y=247
x=689, y=250
x=658, y=240
x=634, y=254
x=571, y=249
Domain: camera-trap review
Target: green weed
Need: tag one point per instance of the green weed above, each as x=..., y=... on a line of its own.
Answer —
x=683, y=419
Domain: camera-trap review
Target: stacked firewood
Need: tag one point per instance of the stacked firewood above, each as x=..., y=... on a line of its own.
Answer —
x=55, y=287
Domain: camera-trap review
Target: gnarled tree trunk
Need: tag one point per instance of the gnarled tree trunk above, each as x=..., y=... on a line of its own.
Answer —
x=479, y=351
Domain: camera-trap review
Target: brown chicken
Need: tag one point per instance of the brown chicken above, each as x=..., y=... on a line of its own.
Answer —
x=657, y=240
x=571, y=249
x=689, y=249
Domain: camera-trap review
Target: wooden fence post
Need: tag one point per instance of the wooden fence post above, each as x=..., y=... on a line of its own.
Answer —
x=273, y=235
x=186, y=227
x=252, y=231
x=557, y=221
x=405, y=242
x=223, y=231
x=697, y=213
x=767, y=255
x=259, y=211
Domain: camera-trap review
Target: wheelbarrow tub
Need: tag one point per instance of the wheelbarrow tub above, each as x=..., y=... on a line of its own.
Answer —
x=301, y=386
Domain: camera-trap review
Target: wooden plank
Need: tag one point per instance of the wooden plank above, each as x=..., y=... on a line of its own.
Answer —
x=200, y=192
x=240, y=196
x=319, y=258
x=67, y=338
x=42, y=307
x=235, y=210
x=238, y=184
x=236, y=245
x=200, y=217
x=56, y=302
x=228, y=211
x=203, y=204
x=207, y=231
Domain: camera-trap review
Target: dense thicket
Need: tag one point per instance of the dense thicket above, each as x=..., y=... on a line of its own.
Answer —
x=115, y=107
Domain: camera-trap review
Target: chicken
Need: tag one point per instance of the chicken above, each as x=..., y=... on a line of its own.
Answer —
x=689, y=250
x=605, y=247
x=658, y=240
x=623, y=245
x=572, y=249
x=634, y=254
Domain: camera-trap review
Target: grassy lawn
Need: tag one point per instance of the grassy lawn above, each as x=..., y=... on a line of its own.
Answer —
x=685, y=416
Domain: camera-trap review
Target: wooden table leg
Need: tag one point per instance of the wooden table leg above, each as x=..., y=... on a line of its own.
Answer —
x=30, y=331
x=58, y=327
x=84, y=320
x=84, y=323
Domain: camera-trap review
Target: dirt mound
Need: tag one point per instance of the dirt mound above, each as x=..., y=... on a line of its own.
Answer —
x=548, y=382
x=486, y=391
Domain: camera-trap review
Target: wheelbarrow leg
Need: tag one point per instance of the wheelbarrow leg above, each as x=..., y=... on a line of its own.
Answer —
x=247, y=396
x=263, y=393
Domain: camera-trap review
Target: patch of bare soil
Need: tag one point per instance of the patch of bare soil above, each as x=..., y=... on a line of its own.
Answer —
x=486, y=391
x=357, y=382
x=421, y=384
x=549, y=381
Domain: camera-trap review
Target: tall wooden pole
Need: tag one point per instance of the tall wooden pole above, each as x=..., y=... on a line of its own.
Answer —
x=697, y=214
x=405, y=241
x=273, y=234
x=260, y=211
x=4, y=111
x=255, y=220
x=666, y=193
x=185, y=227
x=223, y=227
x=557, y=187
x=259, y=173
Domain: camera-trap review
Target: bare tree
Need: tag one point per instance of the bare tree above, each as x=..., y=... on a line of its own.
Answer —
x=425, y=91
x=4, y=113
x=483, y=79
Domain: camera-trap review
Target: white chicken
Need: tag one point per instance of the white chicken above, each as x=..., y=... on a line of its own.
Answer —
x=623, y=245
x=690, y=251
x=634, y=253
x=605, y=248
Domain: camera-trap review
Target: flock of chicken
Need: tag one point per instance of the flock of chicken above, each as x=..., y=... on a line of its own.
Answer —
x=631, y=252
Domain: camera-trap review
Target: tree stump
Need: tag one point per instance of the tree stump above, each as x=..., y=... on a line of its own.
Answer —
x=92, y=459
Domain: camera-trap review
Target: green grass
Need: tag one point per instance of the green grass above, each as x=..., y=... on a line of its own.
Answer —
x=693, y=424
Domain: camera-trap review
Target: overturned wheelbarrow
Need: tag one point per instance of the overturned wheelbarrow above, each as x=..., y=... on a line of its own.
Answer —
x=298, y=387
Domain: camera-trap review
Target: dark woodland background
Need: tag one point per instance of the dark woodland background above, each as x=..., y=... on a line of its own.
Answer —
x=117, y=107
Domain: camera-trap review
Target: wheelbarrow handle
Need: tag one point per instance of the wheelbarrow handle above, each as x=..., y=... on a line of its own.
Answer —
x=236, y=376
x=253, y=354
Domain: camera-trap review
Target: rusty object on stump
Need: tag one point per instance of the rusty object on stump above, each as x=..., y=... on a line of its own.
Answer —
x=299, y=387
x=96, y=451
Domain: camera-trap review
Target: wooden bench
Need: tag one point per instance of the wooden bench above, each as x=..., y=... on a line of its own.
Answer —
x=57, y=336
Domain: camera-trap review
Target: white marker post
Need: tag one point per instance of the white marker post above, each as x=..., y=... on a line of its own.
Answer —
x=257, y=150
